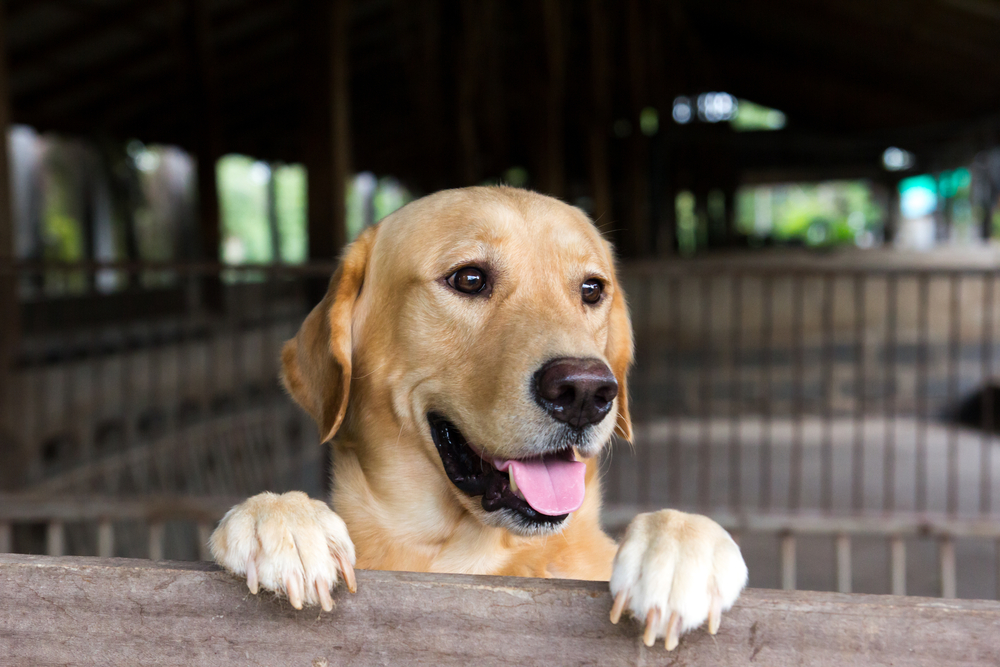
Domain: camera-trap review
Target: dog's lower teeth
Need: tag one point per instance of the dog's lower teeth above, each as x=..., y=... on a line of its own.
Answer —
x=513, y=484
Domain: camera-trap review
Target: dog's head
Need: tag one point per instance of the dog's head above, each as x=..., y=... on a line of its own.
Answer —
x=489, y=324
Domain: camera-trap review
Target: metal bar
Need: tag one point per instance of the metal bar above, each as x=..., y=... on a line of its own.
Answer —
x=6, y=537
x=897, y=564
x=644, y=449
x=795, y=464
x=705, y=397
x=987, y=407
x=105, y=539
x=858, y=453
x=923, y=325
x=843, y=542
x=156, y=541
x=890, y=406
x=736, y=379
x=946, y=554
x=766, y=326
x=788, y=562
x=954, y=333
x=55, y=538
x=674, y=455
x=826, y=444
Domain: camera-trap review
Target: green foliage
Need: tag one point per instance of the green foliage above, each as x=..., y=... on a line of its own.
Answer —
x=750, y=116
x=290, y=195
x=823, y=214
x=243, y=208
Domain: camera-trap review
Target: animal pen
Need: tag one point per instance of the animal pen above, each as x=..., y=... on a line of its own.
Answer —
x=836, y=411
x=800, y=404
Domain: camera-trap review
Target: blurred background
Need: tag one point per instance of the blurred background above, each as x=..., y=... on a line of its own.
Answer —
x=804, y=197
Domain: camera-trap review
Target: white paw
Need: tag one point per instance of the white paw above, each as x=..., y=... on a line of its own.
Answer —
x=290, y=544
x=673, y=571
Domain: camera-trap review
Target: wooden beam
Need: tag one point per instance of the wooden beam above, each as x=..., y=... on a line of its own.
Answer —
x=326, y=130
x=167, y=613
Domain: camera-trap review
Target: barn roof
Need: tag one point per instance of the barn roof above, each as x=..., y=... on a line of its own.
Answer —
x=432, y=81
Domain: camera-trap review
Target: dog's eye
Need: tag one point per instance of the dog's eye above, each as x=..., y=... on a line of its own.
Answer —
x=591, y=290
x=469, y=280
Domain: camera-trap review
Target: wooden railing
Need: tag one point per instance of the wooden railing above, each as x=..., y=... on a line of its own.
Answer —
x=154, y=511
x=894, y=528
x=786, y=528
x=88, y=611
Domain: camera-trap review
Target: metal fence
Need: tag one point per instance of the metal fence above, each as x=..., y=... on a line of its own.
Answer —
x=771, y=393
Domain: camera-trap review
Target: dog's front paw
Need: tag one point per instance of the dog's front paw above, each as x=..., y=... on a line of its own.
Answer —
x=674, y=570
x=290, y=544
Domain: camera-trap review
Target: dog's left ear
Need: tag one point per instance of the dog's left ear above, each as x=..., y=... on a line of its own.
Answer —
x=316, y=364
x=619, y=354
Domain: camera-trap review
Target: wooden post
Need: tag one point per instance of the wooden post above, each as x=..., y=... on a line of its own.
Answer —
x=468, y=73
x=637, y=241
x=325, y=140
x=11, y=461
x=552, y=173
x=198, y=72
x=600, y=118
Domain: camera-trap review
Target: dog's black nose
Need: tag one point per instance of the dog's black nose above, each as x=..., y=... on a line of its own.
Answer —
x=578, y=392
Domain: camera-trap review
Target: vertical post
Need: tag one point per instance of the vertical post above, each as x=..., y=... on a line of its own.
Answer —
x=552, y=176
x=55, y=538
x=469, y=69
x=105, y=539
x=326, y=132
x=947, y=559
x=788, y=562
x=600, y=119
x=156, y=541
x=6, y=537
x=204, y=533
x=206, y=123
x=638, y=239
x=843, y=563
x=10, y=313
x=897, y=564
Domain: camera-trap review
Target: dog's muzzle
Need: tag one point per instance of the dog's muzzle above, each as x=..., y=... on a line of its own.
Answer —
x=551, y=486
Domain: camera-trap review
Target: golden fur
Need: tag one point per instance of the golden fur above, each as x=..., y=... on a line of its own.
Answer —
x=391, y=342
x=388, y=324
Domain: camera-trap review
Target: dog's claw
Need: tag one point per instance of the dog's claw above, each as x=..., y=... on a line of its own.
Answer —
x=652, y=621
x=252, y=582
x=616, y=609
x=673, y=631
x=347, y=570
x=323, y=589
x=715, y=614
x=294, y=589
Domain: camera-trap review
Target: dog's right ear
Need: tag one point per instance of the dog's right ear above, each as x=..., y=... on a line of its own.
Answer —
x=316, y=364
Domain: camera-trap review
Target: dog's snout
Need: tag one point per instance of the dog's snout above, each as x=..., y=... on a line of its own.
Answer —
x=578, y=392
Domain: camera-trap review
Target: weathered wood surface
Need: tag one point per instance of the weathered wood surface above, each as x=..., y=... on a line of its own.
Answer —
x=87, y=611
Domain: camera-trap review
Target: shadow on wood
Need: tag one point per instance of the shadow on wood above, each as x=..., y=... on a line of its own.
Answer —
x=88, y=611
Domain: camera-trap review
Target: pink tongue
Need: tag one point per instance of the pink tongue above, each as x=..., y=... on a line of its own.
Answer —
x=551, y=486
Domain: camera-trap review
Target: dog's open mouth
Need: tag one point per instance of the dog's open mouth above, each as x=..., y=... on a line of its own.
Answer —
x=542, y=489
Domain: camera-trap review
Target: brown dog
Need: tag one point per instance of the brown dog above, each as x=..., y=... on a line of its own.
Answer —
x=470, y=357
